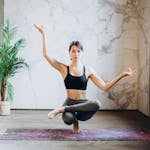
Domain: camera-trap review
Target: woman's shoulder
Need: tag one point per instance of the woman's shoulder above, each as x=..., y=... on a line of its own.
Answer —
x=64, y=69
x=89, y=70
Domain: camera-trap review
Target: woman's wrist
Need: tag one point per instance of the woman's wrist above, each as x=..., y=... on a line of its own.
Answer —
x=43, y=34
x=123, y=74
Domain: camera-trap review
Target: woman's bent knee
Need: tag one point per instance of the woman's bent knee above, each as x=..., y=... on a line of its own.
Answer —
x=96, y=105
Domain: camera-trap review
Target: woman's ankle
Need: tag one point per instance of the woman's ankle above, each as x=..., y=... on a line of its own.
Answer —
x=61, y=110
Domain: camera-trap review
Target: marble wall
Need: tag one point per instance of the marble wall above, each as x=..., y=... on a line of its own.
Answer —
x=144, y=57
x=109, y=32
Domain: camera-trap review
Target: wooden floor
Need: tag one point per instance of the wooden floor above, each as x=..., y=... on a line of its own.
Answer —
x=102, y=119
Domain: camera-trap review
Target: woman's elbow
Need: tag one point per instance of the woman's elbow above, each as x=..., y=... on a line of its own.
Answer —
x=45, y=55
x=104, y=88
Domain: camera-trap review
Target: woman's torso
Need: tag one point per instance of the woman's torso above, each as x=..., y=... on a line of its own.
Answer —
x=76, y=94
x=80, y=92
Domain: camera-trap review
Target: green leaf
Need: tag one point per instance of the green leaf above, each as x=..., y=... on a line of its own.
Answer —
x=10, y=63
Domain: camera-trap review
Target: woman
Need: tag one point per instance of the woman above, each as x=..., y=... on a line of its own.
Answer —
x=76, y=75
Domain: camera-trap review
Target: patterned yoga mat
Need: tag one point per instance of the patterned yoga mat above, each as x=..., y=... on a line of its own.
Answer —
x=84, y=135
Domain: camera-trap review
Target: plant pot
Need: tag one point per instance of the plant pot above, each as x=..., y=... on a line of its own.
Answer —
x=4, y=108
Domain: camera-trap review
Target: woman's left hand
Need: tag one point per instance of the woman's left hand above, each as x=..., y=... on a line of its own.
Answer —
x=130, y=72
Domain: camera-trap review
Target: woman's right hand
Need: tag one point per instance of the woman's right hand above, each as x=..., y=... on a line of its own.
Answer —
x=39, y=28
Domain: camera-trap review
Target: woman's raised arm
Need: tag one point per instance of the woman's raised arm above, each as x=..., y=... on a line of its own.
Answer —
x=53, y=62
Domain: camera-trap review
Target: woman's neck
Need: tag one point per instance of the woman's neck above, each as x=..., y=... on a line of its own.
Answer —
x=76, y=64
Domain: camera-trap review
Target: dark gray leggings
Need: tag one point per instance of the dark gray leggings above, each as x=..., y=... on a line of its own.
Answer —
x=79, y=110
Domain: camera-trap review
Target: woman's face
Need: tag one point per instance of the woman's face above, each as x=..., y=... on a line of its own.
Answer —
x=75, y=53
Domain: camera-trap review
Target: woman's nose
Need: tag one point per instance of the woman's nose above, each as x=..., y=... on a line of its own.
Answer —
x=76, y=53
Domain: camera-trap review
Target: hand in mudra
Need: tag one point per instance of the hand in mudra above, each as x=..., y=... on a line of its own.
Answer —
x=130, y=72
x=40, y=28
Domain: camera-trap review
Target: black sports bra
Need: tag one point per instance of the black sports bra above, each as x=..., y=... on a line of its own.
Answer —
x=75, y=82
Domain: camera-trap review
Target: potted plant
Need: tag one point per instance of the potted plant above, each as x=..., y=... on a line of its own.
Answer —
x=10, y=64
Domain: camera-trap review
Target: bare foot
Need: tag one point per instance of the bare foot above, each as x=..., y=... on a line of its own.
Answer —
x=55, y=112
x=76, y=127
